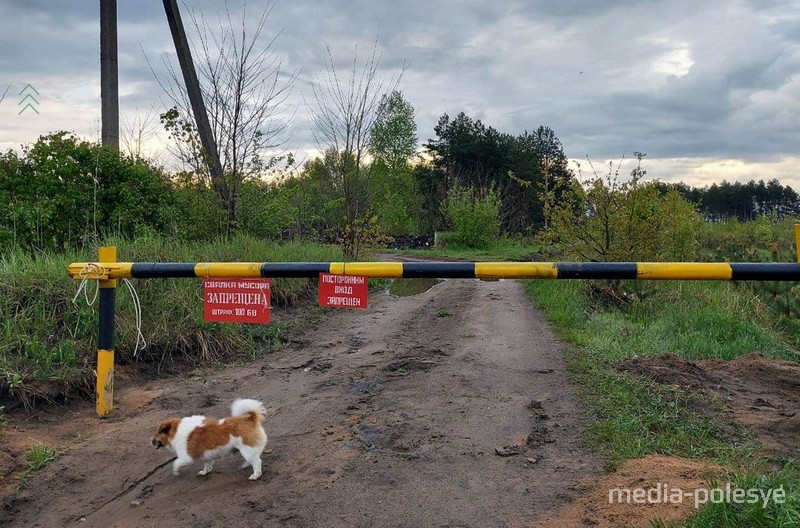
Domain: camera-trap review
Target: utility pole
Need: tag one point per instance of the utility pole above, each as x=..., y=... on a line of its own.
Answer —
x=196, y=97
x=109, y=76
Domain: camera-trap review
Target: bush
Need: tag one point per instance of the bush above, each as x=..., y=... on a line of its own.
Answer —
x=602, y=219
x=475, y=217
x=64, y=191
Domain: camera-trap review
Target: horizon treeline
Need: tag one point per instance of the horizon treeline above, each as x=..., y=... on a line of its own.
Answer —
x=64, y=192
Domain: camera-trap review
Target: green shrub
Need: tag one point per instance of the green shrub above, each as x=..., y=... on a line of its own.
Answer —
x=475, y=216
x=64, y=191
x=600, y=218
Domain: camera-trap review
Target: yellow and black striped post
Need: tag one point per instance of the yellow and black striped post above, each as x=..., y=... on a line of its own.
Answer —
x=105, y=340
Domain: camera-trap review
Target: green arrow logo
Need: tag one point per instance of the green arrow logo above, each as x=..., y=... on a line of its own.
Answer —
x=26, y=107
x=29, y=95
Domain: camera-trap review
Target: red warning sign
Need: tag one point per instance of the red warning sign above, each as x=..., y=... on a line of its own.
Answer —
x=236, y=300
x=343, y=291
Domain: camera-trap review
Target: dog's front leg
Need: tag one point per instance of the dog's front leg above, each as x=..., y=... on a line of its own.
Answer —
x=179, y=463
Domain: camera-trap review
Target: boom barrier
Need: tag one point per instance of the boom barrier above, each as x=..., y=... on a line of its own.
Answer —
x=107, y=271
x=443, y=270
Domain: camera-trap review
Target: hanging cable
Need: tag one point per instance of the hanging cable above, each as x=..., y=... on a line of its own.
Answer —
x=95, y=272
x=137, y=308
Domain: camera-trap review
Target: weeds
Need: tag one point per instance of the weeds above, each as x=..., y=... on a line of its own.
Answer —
x=38, y=456
x=772, y=513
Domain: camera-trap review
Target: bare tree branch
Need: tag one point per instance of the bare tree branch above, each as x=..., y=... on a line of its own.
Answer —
x=138, y=131
x=5, y=93
x=245, y=88
x=344, y=114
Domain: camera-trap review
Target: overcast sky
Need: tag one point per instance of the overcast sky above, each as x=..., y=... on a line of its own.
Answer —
x=707, y=89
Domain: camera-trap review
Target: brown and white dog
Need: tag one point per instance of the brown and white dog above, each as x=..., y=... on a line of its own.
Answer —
x=197, y=437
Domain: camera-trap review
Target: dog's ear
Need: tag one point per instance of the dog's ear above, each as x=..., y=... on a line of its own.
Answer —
x=166, y=427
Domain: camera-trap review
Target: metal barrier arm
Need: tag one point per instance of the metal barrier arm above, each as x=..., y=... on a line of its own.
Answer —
x=107, y=271
x=445, y=270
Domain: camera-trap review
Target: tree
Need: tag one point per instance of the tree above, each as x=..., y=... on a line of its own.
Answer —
x=137, y=131
x=393, y=143
x=539, y=165
x=742, y=201
x=344, y=115
x=245, y=89
x=393, y=138
x=520, y=169
x=469, y=154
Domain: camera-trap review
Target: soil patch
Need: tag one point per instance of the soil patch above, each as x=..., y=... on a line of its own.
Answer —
x=653, y=473
x=762, y=393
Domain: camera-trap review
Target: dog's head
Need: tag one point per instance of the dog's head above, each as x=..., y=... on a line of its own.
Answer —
x=165, y=433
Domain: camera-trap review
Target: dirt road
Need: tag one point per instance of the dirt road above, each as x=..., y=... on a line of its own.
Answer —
x=447, y=408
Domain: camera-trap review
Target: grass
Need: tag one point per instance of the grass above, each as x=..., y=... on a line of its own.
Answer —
x=633, y=417
x=48, y=344
x=773, y=513
x=692, y=320
x=38, y=456
x=443, y=312
x=505, y=249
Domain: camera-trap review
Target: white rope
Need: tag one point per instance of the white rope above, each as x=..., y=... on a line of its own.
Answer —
x=137, y=308
x=90, y=271
x=95, y=272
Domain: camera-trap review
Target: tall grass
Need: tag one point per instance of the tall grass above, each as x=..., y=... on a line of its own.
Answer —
x=48, y=343
x=633, y=417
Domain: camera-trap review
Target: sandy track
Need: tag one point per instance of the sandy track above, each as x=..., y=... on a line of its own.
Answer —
x=386, y=417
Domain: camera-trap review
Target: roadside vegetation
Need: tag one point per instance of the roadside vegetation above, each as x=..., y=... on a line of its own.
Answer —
x=607, y=322
x=48, y=342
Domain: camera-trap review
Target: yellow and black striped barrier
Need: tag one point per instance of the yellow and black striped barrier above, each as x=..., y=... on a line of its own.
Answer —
x=759, y=271
x=107, y=271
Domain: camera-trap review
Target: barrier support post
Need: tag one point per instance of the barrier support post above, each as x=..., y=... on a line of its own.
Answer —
x=105, y=340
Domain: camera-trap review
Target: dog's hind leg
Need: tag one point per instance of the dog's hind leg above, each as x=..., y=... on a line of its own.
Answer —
x=253, y=457
x=207, y=467
x=245, y=464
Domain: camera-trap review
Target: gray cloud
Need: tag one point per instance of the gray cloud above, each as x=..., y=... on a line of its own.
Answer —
x=673, y=78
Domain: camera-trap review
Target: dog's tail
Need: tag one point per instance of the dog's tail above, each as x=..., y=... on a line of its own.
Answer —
x=254, y=408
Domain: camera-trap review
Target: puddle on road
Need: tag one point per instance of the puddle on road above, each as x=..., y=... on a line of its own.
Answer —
x=408, y=287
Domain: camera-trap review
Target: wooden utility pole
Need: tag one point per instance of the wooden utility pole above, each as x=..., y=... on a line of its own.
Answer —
x=109, y=78
x=196, y=97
